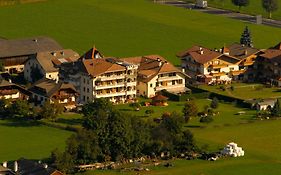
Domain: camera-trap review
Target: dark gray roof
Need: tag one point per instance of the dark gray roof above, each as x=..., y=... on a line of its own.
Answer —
x=240, y=51
x=29, y=167
x=27, y=46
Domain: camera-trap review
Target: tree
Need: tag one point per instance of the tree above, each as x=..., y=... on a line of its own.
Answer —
x=246, y=38
x=4, y=105
x=19, y=109
x=190, y=110
x=215, y=103
x=51, y=110
x=240, y=3
x=270, y=6
x=276, y=110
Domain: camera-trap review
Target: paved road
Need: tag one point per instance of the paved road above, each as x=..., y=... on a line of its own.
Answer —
x=227, y=13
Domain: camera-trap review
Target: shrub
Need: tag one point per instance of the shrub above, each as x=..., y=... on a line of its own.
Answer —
x=149, y=111
x=207, y=119
x=222, y=88
x=215, y=103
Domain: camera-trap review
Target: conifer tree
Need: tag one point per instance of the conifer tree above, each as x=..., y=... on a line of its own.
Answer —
x=246, y=38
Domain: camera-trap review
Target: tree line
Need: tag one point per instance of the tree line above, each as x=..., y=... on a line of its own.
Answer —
x=110, y=135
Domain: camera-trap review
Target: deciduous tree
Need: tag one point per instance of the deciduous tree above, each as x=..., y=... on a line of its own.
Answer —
x=270, y=6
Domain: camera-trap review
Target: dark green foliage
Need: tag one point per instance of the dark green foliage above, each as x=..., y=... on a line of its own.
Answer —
x=270, y=6
x=276, y=110
x=207, y=119
x=112, y=136
x=190, y=110
x=4, y=105
x=51, y=110
x=240, y=3
x=246, y=38
x=19, y=109
x=149, y=111
x=215, y=103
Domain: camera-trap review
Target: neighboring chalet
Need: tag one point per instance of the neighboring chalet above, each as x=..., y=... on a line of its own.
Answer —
x=12, y=91
x=268, y=66
x=155, y=73
x=48, y=90
x=107, y=78
x=47, y=64
x=246, y=56
x=218, y=66
x=15, y=52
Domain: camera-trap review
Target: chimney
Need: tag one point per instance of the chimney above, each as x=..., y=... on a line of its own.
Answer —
x=62, y=53
x=246, y=52
x=201, y=52
x=183, y=70
x=35, y=40
x=158, y=59
x=5, y=164
x=16, y=168
x=160, y=63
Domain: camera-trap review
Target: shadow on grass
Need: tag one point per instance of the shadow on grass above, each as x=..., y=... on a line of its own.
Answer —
x=20, y=123
x=69, y=121
x=194, y=126
x=125, y=109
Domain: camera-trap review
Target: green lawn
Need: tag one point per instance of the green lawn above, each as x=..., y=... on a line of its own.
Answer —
x=246, y=91
x=29, y=140
x=254, y=8
x=259, y=139
x=128, y=27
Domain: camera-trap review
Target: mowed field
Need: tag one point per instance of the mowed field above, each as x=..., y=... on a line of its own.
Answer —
x=29, y=140
x=254, y=7
x=128, y=27
x=245, y=91
x=259, y=139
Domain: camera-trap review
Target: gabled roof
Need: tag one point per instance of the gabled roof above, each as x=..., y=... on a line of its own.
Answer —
x=199, y=54
x=151, y=65
x=51, y=60
x=241, y=51
x=93, y=53
x=27, y=46
x=96, y=67
x=48, y=88
x=271, y=54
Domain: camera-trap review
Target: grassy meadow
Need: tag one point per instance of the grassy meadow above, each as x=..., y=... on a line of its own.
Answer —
x=29, y=140
x=128, y=27
x=246, y=91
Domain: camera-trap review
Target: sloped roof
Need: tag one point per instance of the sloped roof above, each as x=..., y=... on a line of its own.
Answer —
x=199, y=54
x=151, y=65
x=271, y=54
x=48, y=88
x=93, y=53
x=50, y=60
x=29, y=167
x=96, y=67
x=27, y=46
x=159, y=97
x=241, y=51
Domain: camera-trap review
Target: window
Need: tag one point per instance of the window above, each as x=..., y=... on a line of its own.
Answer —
x=50, y=76
x=231, y=69
x=88, y=90
x=87, y=81
x=84, y=89
x=150, y=84
x=84, y=98
x=173, y=82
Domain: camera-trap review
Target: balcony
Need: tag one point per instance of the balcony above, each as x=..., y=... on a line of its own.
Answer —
x=177, y=87
x=112, y=77
x=111, y=94
x=108, y=86
x=169, y=78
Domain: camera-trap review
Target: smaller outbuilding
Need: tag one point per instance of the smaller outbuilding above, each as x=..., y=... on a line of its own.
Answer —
x=159, y=100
